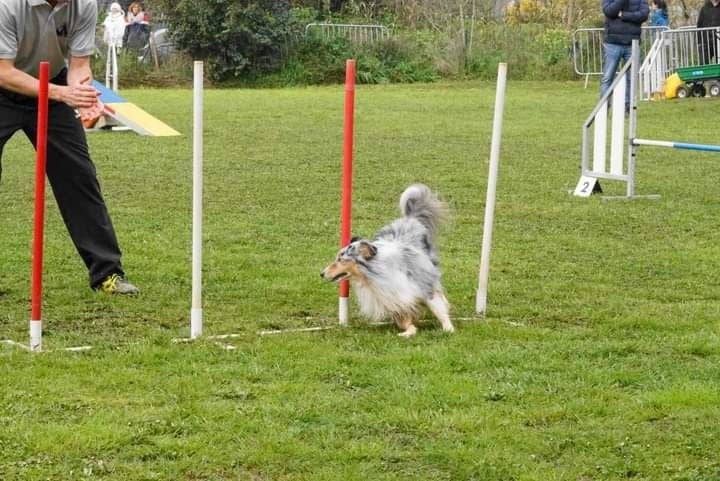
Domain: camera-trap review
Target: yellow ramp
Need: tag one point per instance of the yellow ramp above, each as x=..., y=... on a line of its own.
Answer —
x=139, y=120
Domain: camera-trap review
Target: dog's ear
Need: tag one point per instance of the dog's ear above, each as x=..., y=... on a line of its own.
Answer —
x=366, y=250
x=355, y=238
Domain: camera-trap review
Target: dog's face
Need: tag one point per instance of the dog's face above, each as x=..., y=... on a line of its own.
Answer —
x=349, y=261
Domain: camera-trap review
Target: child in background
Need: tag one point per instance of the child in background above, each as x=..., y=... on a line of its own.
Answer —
x=658, y=14
x=114, y=26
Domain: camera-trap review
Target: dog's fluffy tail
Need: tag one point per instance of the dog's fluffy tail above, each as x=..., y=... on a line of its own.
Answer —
x=420, y=202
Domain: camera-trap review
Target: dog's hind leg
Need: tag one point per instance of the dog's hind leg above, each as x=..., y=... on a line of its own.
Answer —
x=407, y=324
x=440, y=307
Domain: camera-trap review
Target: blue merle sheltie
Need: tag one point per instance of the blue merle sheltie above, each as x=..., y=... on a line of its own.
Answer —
x=398, y=272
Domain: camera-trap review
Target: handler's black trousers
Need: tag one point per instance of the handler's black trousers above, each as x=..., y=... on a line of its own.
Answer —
x=72, y=177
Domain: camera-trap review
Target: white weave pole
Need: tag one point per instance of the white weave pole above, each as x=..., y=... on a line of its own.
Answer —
x=111, y=67
x=481, y=300
x=196, y=314
x=115, y=70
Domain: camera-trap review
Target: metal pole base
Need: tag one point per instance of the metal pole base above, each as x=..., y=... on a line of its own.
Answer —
x=632, y=197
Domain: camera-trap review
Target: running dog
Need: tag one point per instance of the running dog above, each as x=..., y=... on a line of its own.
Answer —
x=398, y=271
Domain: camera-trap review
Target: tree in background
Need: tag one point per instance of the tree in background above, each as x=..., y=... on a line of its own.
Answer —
x=570, y=13
x=236, y=38
x=577, y=13
x=453, y=20
x=320, y=5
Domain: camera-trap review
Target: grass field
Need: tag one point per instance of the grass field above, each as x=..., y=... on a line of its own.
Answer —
x=599, y=358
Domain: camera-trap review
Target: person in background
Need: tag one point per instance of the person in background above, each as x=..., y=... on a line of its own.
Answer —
x=658, y=14
x=623, y=21
x=62, y=33
x=137, y=29
x=114, y=25
x=707, y=39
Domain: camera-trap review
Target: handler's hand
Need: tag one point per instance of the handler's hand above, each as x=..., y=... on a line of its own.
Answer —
x=89, y=116
x=82, y=95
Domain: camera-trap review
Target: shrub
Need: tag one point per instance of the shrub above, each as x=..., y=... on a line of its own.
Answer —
x=241, y=37
x=556, y=45
x=395, y=60
x=317, y=60
x=532, y=52
x=131, y=72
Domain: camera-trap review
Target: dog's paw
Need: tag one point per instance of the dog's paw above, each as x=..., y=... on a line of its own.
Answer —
x=409, y=332
x=449, y=328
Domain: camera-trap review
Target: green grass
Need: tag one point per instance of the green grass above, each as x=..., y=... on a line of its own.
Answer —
x=599, y=358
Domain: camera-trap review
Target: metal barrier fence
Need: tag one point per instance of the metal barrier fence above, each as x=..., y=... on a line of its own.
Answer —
x=588, y=48
x=354, y=33
x=674, y=49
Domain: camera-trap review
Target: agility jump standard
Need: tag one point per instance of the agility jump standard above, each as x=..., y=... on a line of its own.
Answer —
x=614, y=100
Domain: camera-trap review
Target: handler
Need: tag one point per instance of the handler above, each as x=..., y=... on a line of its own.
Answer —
x=61, y=32
x=623, y=24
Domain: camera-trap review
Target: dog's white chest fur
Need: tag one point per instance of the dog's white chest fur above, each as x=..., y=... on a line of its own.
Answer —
x=388, y=290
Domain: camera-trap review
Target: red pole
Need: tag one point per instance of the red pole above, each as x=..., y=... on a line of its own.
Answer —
x=38, y=232
x=346, y=213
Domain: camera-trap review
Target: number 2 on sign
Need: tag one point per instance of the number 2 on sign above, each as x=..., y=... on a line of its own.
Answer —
x=585, y=186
